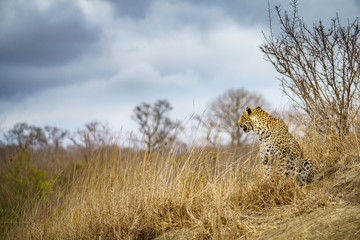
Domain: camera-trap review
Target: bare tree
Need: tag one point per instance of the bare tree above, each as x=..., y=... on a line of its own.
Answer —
x=224, y=113
x=319, y=66
x=92, y=138
x=157, y=129
x=54, y=137
x=26, y=136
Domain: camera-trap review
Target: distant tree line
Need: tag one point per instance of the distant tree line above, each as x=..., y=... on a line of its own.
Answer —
x=27, y=136
x=92, y=137
x=157, y=130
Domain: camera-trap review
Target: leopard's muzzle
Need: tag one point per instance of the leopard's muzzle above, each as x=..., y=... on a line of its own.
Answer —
x=243, y=127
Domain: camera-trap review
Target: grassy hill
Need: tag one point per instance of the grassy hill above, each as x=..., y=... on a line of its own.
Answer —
x=199, y=193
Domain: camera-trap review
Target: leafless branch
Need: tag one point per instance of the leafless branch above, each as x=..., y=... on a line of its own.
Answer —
x=320, y=67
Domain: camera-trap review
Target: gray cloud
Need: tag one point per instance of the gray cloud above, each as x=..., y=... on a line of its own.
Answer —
x=37, y=43
x=17, y=83
x=38, y=37
x=244, y=12
x=135, y=9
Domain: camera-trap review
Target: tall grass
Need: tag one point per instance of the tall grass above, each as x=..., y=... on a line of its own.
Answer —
x=197, y=193
x=128, y=194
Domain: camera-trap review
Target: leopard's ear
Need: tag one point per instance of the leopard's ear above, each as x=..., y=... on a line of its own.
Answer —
x=248, y=110
x=258, y=107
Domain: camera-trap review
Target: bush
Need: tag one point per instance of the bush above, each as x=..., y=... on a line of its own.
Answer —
x=319, y=68
x=21, y=184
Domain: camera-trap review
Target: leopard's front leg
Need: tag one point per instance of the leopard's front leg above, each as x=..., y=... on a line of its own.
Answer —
x=265, y=158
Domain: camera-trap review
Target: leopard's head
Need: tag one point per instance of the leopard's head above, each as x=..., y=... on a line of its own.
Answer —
x=245, y=122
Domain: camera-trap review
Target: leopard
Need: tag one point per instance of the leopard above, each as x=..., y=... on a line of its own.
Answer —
x=277, y=146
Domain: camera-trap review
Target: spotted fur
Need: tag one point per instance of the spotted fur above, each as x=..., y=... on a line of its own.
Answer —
x=277, y=145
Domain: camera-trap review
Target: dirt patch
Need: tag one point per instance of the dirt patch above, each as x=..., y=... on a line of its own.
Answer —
x=338, y=221
x=337, y=218
x=333, y=222
x=330, y=223
x=347, y=184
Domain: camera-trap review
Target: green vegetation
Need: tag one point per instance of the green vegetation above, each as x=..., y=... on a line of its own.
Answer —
x=22, y=184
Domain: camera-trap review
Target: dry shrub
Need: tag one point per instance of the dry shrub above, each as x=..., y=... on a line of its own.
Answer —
x=327, y=149
x=318, y=66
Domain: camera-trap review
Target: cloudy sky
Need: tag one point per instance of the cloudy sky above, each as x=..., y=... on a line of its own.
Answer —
x=67, y=62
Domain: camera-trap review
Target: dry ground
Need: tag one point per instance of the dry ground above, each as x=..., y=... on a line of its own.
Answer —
x=339, y=218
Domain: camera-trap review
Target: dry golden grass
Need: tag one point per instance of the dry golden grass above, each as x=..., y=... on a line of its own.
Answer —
x=127, y=194
x=136, y=196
